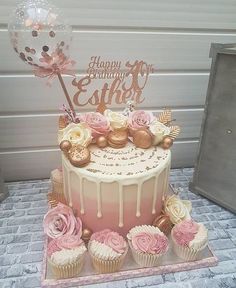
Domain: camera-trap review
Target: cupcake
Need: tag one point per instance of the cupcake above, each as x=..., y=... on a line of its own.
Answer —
x=107, y=250
x=148, y=244
x=189, y=239
x=66, y=256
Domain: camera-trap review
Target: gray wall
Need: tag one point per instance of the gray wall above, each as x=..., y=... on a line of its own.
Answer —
x=173, y=35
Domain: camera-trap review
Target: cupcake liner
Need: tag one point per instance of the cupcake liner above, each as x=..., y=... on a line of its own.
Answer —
x=186, y=253
x=67, y=271
x=145, y=259
x=108, y=266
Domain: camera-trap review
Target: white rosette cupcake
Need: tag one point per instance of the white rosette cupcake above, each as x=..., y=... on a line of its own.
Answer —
x=66, y=256
x=189, y=239
x=107, y=250
x=148, y=244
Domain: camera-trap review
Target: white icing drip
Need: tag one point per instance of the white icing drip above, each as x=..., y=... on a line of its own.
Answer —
x=139, y=191
x=81, y=179
x=143, y=228
x=155, y=195
x=69, y=188
x=121, y=206
x=102, y=251
x=68, y=256
x=122, y=180
x=165, y=183
x=64, y=182
x=99, y=200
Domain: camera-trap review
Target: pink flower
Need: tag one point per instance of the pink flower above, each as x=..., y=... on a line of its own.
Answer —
x=188, y=226
x=97, y=122
x=69, y=241
x=115, y=241
x=150, y=243
x=52, y=247
x=184, y=232
x=60, y=221
x=161, y=243
x=100, y=236
x=140, y=119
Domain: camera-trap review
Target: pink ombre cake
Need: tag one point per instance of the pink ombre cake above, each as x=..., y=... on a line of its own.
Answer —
x=119, y=188
x=122, y=178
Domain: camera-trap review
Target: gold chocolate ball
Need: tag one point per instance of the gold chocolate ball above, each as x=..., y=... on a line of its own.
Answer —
x=65, y=145
x=101, y=141
x=167, y=142
x=86, y=235
x=142, y=138
x=163, y=223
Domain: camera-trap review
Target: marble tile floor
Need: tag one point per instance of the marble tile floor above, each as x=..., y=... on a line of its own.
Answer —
x=21, y=240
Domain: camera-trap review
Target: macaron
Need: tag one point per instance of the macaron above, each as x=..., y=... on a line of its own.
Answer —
x=118, y=138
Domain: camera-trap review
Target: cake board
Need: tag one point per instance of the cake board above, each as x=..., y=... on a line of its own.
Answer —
x=168, y=264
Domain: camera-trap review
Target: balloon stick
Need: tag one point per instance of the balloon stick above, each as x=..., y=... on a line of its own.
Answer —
x=66, y=93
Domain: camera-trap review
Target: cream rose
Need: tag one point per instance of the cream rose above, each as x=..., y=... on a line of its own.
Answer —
x=78, y=134
x=177, y=209
x=159, y=130
x=117, y=120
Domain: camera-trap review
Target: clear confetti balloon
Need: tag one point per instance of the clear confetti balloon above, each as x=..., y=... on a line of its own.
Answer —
x=39, y=34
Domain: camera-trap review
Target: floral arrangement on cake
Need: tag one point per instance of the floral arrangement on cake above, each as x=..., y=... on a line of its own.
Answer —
x=114, y=129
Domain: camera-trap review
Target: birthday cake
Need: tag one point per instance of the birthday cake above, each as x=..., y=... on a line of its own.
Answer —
x=115, y=166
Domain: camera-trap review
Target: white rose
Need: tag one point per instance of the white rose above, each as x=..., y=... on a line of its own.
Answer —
x=159, y=130
x=77, y=134
x=117, y=120
x=177, y=209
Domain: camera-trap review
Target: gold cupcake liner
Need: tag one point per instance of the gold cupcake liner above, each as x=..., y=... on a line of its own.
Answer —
x=186, y=253
x=108, y=266
x=145, y=259
x=67, y=271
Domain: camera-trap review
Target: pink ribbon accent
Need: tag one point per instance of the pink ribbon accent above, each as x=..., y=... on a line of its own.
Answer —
x=57, y=63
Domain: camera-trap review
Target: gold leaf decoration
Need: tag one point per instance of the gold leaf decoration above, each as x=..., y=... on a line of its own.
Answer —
x=55, y=198
x=165, y=117
x=174, y=131
x=101, y=107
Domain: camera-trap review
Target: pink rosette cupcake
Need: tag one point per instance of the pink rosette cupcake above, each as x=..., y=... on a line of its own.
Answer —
x=189, y=239
x=107, y=250
x=66, y=256
x=148, y=244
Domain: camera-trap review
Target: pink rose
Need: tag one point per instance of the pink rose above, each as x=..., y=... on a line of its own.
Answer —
x=188, y=226
x=52, y=247
x=97, y=122
x=60, y=221
x=140, y=119
x=69, y=241
x=100, y=236
x=184, y=232
x=161, y=244
x=115, y=241
x=150, y=243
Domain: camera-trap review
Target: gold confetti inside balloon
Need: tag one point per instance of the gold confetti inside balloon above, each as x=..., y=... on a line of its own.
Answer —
x=39, y=34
